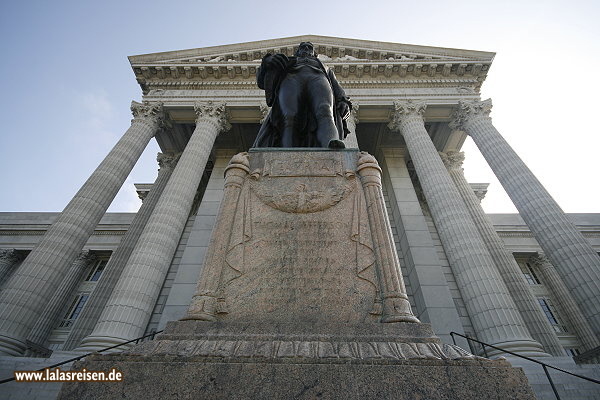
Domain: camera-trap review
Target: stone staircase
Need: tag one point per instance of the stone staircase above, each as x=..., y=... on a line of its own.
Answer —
x=31, y=390
x=568, y=387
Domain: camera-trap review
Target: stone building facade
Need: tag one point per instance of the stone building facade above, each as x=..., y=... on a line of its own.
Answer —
x=84, y=279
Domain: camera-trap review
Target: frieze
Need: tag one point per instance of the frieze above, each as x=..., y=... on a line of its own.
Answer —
x=158, y=85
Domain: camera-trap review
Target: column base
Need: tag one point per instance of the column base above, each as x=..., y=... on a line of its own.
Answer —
x=10, y=346
x=397, y=309
x=96, y=343
x=202, y=308
x=525, y=348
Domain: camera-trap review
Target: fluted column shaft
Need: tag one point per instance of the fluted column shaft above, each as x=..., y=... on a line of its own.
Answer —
x=95, y=305
x=574, y=258
x=8, y=259
x=351, y=141
x=535, y=320
x=47, y=321
x=132, y=301
x=396, y=307
x=33, y=285
x=493, y=314
x=208, y=301
x=565, y=303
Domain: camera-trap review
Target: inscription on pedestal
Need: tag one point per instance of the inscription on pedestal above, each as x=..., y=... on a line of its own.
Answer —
x=300, y=247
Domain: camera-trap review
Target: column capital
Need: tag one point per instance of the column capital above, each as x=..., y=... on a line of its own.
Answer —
x=150, y=113
x=85, y=257
x=214, y=113
x=480, y=190
x=467, y=111
x=10, y=255
x=264, y=111
x=405, y=109
x=539, y=260
x=167, y=160
x=354, y=113
x=453, y=160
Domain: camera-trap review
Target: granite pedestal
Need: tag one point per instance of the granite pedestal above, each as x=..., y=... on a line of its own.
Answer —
x=301, y=296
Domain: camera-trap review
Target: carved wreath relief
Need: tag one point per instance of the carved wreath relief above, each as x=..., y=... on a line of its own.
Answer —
x=309, y=184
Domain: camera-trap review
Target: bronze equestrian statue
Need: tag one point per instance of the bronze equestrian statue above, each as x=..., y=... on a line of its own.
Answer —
x=309, y=108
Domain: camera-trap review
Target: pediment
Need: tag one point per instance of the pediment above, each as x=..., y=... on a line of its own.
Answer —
x=350, y=58
x=331, y=48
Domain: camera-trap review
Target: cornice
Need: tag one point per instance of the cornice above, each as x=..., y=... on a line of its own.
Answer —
x=359, y=72
x=327, y=45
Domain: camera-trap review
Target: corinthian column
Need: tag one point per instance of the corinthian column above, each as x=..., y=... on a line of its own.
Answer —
x=574, y=258
x=8, y=259
x=132, y=301
x=493, y=313
x=34, y=284
x=396, y=307
x=47, y=321
x=565, y=303
x=535, y=320
x=351, y=141
x=95, y=305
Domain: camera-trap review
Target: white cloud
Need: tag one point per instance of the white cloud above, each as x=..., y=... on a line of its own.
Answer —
x=127, y=199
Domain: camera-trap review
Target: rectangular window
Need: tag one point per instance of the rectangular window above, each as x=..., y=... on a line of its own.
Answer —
x=572, y=352
x=74, y=310
x=551, y=314
x=96, y=271
x=530, y=275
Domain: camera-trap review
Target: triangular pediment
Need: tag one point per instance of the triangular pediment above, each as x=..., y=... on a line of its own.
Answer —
x=330, y=49
x=354, y=59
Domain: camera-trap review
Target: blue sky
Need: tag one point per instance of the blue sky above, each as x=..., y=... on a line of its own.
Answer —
x=67, y=83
